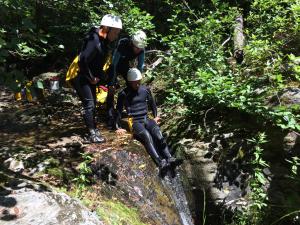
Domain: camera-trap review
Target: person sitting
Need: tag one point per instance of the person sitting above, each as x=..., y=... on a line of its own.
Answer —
x=136, y=98
x=128, y=49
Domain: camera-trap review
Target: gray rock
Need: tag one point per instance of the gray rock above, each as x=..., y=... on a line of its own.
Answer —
x=289, y=96
x=46, y=76
x=290, y=141
x=27, y=206
x=14, y=165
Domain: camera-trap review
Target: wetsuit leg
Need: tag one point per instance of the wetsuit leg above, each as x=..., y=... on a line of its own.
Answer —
x=87, y=95
x=110, y=107
x=142, y=135
x=158, y=138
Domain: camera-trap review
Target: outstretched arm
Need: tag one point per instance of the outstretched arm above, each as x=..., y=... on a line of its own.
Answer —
x=119, y=108
x=141, y=60
x=115, y=61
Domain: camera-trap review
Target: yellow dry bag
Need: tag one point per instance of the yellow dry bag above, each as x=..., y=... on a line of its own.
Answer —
x=101, y=94
x=73, y=69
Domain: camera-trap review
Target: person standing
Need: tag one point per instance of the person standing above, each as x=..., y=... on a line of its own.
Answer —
x=128, y=49
x=92, y=58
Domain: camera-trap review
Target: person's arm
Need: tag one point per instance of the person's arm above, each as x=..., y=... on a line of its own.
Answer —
x=115, y=61
x=151, y=103
x=141, y=60
x=153, y=106
x=86, y=56
x=119, y=109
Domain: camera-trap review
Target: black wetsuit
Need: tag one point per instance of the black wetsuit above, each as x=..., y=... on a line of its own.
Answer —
x=120, y=65
x=121, y=60
x=145, y=130
x=91, y=60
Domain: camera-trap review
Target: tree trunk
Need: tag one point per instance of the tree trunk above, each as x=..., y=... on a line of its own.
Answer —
x=239, y=39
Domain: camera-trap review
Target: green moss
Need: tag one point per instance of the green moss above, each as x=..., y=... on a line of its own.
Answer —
x=53, y=162
x=56, y=172
x=115, y=213
x=87, y=202
x=3, y=178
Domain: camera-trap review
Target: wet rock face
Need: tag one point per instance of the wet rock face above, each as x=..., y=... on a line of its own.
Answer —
x=27, y=203
x=220, y=164
x=132, y=177
x=291, y=144
x=289, y=96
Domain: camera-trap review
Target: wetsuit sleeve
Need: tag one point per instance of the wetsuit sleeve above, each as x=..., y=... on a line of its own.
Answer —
x=115, y=61
x=151, y=103
x=86, y=56
x=141, y=59
x=119, y=108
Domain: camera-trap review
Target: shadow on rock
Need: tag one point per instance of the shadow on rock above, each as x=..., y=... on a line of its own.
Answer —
x=105, y=173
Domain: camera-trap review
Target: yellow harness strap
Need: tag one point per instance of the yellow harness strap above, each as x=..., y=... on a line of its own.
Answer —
x=130, y=122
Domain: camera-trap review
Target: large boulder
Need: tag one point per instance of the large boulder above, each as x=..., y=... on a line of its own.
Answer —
x=26, y=203
x=289, y=96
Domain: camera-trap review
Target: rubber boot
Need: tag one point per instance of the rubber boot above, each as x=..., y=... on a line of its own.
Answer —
x=172, y=161
x=163, y=167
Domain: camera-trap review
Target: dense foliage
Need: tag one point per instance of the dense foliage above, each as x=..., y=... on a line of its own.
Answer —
x=40, y=36
x=199, y=64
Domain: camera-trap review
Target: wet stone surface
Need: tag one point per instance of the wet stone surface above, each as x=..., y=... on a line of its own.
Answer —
x=48, y=138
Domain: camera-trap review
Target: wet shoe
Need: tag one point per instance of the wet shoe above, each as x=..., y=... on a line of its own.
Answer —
x=163, y=167
x=97, y=132
x=174, y=162
x=96, y=137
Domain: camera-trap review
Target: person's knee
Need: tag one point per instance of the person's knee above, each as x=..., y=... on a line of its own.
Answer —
x=89, y=105
x=144, y=136
x=157, y=132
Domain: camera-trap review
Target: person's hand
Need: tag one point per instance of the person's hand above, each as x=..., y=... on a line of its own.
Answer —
x=95, y=80
x=157, y=120
x=111, y=89
x=121, y=131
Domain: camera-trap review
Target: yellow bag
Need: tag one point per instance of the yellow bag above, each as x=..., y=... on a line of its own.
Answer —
x=101, y=94
x=73, y=69
x=18, y=96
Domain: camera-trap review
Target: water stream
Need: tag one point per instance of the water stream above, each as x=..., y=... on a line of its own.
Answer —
x=173, y=183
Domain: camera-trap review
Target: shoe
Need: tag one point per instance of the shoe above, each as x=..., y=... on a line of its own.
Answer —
x=163, y=167
x=163, y=163
x=97, y=132
x=172, y=161
x=96, y=137
x=110, y=123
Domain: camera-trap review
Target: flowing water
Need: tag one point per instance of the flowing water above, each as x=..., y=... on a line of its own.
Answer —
x=173, y=183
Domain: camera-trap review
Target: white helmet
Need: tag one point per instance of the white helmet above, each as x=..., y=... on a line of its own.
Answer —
x=134, y=74
x=111, y=21
x=139, y=39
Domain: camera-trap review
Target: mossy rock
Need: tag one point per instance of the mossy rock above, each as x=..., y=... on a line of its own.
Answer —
x=53, y=162
x=56, y=172
x=115, y=212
